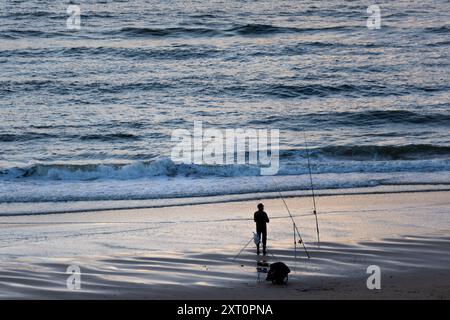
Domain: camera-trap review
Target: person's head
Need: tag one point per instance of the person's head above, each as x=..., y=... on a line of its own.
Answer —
x=260, y=207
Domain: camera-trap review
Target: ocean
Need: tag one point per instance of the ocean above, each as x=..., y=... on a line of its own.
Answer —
x=88, y=114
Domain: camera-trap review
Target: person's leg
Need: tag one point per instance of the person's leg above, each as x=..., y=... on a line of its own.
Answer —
x=264, y=241
x=258, y=232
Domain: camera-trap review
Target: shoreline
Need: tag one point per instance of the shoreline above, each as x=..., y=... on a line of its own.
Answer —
x=62, y=207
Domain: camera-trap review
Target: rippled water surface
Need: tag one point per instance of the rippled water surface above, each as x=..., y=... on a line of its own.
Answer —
x=89, y=114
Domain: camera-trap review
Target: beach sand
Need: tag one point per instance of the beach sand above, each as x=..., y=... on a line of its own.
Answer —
x=186, y=252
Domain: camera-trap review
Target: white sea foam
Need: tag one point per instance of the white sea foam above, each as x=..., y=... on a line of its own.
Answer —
x=184, y=187
x=165, y=167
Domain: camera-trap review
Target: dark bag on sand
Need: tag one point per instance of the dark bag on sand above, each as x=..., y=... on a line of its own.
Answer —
x=278, y=273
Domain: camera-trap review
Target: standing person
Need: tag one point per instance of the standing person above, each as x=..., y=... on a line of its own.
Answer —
x=261, y=220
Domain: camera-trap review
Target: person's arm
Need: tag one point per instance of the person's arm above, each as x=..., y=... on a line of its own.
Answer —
x=267, y=218
x=254, y=216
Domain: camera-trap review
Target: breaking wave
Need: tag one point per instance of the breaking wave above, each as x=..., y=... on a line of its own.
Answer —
x=331, y=159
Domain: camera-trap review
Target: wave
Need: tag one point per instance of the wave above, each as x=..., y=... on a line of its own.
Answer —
x=260, y=29
x=27, y=136
x=29, y=33
x=180, y=52
x=354, y=118
x=62, y=87
x=169, y=32
x=164, y=32
x=275, y=90
x=282, y=91
x=185, y=190
x=267, y=29
x=110, y=136
x=331, y=159
x=373, y=152
x=137, y=170
x=350, y=90
x=438, y=30
x=236, y=30
x=396, y=116
x=289, y=91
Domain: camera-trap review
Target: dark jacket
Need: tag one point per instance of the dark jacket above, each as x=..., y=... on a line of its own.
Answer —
x=261, y=219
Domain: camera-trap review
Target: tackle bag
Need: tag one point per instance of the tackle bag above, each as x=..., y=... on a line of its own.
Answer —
x=278, y=273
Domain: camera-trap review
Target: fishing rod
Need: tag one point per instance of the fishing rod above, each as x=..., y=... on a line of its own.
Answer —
x=295, y=227
x=295, y=252
x=246, y=245
x=312, y=188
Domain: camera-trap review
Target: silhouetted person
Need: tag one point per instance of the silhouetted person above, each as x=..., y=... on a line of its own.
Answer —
x=261, y=220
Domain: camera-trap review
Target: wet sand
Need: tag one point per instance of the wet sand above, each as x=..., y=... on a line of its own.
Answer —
x=187, y=252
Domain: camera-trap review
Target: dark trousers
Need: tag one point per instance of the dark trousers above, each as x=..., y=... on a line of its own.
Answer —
x=262, y=232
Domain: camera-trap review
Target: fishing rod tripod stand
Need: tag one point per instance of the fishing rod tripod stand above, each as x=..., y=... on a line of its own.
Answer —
x=299, y=241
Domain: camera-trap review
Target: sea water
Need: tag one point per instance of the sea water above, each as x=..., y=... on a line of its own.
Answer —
x=88, y=113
